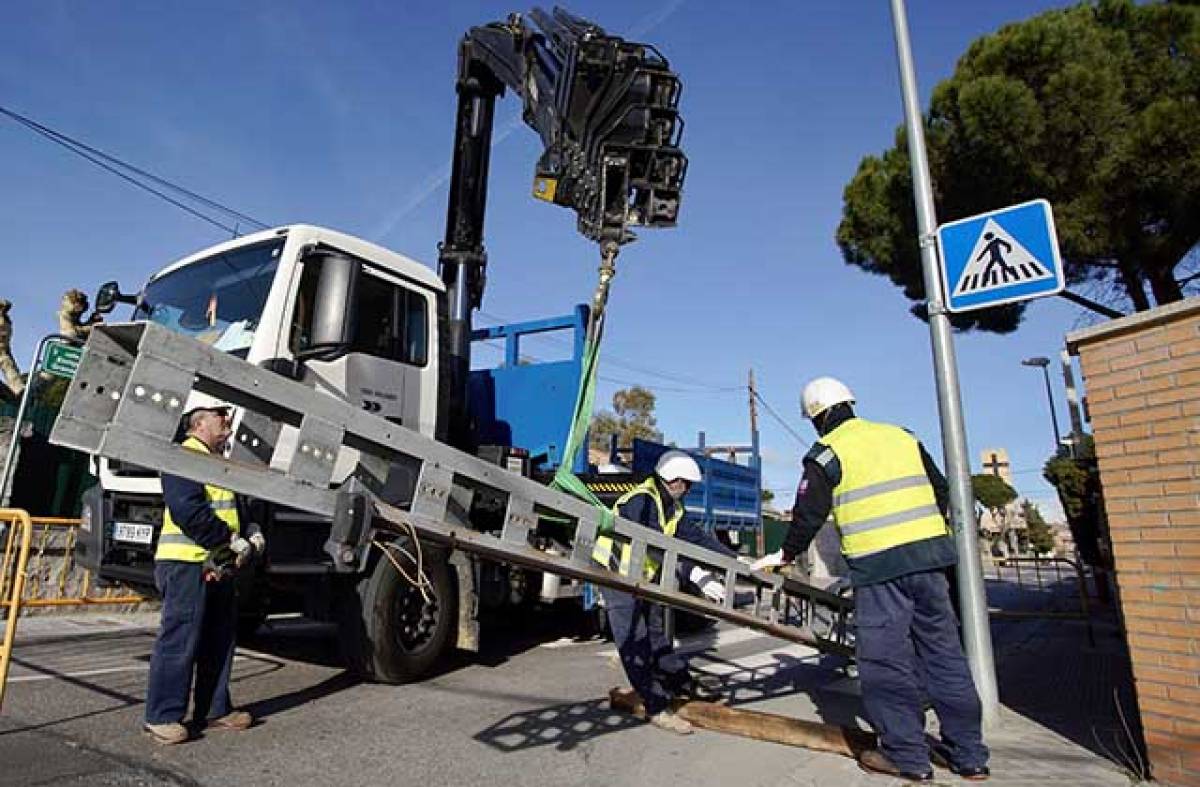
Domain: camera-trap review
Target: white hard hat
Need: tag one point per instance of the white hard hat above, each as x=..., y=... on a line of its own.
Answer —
x=674, y=465
x=823, y=393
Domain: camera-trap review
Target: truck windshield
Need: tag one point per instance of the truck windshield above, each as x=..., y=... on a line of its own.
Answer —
x=218, y=300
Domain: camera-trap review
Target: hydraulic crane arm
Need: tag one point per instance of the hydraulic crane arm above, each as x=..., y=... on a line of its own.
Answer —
x=606, y=111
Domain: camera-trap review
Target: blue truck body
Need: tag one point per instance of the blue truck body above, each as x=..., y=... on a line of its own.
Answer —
x=529, y=403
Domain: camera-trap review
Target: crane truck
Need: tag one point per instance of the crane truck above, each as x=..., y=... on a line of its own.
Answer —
x=384, y=346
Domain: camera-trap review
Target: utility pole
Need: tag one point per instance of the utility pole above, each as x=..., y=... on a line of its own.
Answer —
x=753, y=405
x=761, y=541
x=977, y=635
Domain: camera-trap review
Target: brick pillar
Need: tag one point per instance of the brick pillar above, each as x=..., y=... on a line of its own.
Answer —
x=1143, y=391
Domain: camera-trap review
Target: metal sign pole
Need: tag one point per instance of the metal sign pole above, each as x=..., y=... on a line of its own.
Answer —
x=976, y=633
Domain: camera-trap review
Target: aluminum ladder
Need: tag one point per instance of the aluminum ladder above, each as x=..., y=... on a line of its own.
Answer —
x=134, y=380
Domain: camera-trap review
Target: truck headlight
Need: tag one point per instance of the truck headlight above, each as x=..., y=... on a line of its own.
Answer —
x=85, y=519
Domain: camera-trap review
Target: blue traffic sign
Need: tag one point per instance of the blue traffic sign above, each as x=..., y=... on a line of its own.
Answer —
x=1003, y=256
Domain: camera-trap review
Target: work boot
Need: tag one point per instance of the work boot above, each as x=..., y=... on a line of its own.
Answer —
x=874, y=761
x=975, y=773
x=978, y=773
x=170, y=733
x=234, y=720
x=671, y=722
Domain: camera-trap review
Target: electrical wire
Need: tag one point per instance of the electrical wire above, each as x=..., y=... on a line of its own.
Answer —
x=114, y=165
x=421, y=581
x=787, y=427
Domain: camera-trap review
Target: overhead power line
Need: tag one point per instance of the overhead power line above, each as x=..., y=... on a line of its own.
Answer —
x=778, y=418
x=121, y=169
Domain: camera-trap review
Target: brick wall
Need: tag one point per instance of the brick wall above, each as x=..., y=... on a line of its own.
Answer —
x=1142, y=375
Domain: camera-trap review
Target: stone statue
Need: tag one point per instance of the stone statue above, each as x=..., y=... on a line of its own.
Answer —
x=70, y=316
x=10, y=373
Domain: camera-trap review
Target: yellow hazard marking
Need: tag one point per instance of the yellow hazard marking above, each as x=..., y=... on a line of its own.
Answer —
x=545, y=188
x=611, y=487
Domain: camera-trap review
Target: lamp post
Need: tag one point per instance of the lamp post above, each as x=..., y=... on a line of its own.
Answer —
x=1044, y=363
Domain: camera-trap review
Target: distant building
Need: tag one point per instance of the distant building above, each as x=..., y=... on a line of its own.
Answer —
x=1006, y=535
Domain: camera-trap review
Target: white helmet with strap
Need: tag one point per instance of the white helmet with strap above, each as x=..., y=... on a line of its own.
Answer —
x=823, y=393
x=675, y=464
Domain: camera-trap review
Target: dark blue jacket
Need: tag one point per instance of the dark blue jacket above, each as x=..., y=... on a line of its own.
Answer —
x=189, y=508
x=641, y=509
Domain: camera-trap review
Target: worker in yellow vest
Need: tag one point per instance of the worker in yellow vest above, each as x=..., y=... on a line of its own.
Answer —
x=656, y=672
x=889, y=501
x=202, y=543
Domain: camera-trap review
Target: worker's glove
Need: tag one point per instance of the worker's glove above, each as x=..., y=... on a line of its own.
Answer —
x=769, y=562
x=712, y=587
x=255, y=537
x=800, y=570
x=219, y=564
x=242, y=549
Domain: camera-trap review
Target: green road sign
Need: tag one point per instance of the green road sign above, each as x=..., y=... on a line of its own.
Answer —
x=62, y=360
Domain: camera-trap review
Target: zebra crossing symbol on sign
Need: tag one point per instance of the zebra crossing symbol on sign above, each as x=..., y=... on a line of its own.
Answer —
x=1000, y=257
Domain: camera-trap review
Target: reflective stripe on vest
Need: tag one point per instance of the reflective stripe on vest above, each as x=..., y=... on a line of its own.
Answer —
x=884, y=499
x=173, y=544
x=616, y=556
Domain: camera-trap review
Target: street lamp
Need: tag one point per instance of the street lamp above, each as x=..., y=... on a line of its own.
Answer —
x=1045, y=363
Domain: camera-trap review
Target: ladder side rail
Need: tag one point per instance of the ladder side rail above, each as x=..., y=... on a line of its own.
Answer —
x=488, y=546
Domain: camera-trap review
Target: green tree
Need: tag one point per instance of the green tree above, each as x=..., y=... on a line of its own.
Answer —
x=632, y=417
x=994, y=494
x=1041, y=537
x=1077, y=481
x=1093, y=107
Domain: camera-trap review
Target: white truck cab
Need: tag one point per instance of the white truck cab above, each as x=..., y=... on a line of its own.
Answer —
x=258, y=297
x=274, y=299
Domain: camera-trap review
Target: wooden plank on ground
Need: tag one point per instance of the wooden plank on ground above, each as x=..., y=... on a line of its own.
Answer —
x=757, y=724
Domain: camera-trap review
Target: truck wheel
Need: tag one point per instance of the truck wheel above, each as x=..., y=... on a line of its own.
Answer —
x=389, y=633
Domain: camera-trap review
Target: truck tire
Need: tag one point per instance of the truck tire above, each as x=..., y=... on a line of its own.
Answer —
x=388, y=632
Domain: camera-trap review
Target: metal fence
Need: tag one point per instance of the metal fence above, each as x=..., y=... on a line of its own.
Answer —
x=1038, y=587
x=48, y=572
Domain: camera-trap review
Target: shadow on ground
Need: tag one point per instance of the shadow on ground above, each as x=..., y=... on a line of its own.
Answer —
x=564, y=726
x=1049, y=673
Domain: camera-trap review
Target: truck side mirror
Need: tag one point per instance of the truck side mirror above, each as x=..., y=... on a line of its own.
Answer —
x=335, y=305
x=107, y=297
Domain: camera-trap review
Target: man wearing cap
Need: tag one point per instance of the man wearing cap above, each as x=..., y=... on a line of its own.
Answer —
x=654, y=670
x=202, y=543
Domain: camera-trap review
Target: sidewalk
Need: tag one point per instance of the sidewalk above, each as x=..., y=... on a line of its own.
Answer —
x=1058, y=721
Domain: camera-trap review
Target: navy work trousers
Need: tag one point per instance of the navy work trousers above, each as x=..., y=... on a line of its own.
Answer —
x=654, y=670
x=195, y=638
x=908, y=648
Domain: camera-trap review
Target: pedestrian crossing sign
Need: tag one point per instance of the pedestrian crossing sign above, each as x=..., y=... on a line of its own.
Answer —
x=998, y=257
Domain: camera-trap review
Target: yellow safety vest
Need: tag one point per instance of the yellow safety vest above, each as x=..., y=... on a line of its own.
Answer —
x=616, y=556
x=884, y=498
x=173, y=544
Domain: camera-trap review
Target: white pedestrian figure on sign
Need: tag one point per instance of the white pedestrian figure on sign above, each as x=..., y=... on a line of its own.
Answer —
x=997, y=258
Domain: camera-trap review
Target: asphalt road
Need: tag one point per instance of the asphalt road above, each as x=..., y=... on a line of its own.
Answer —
x=530, y=710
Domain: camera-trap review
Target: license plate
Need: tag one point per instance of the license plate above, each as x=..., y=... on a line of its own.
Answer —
x=133, y=533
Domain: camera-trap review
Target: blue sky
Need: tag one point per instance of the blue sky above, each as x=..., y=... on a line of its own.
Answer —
x=342, y=115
